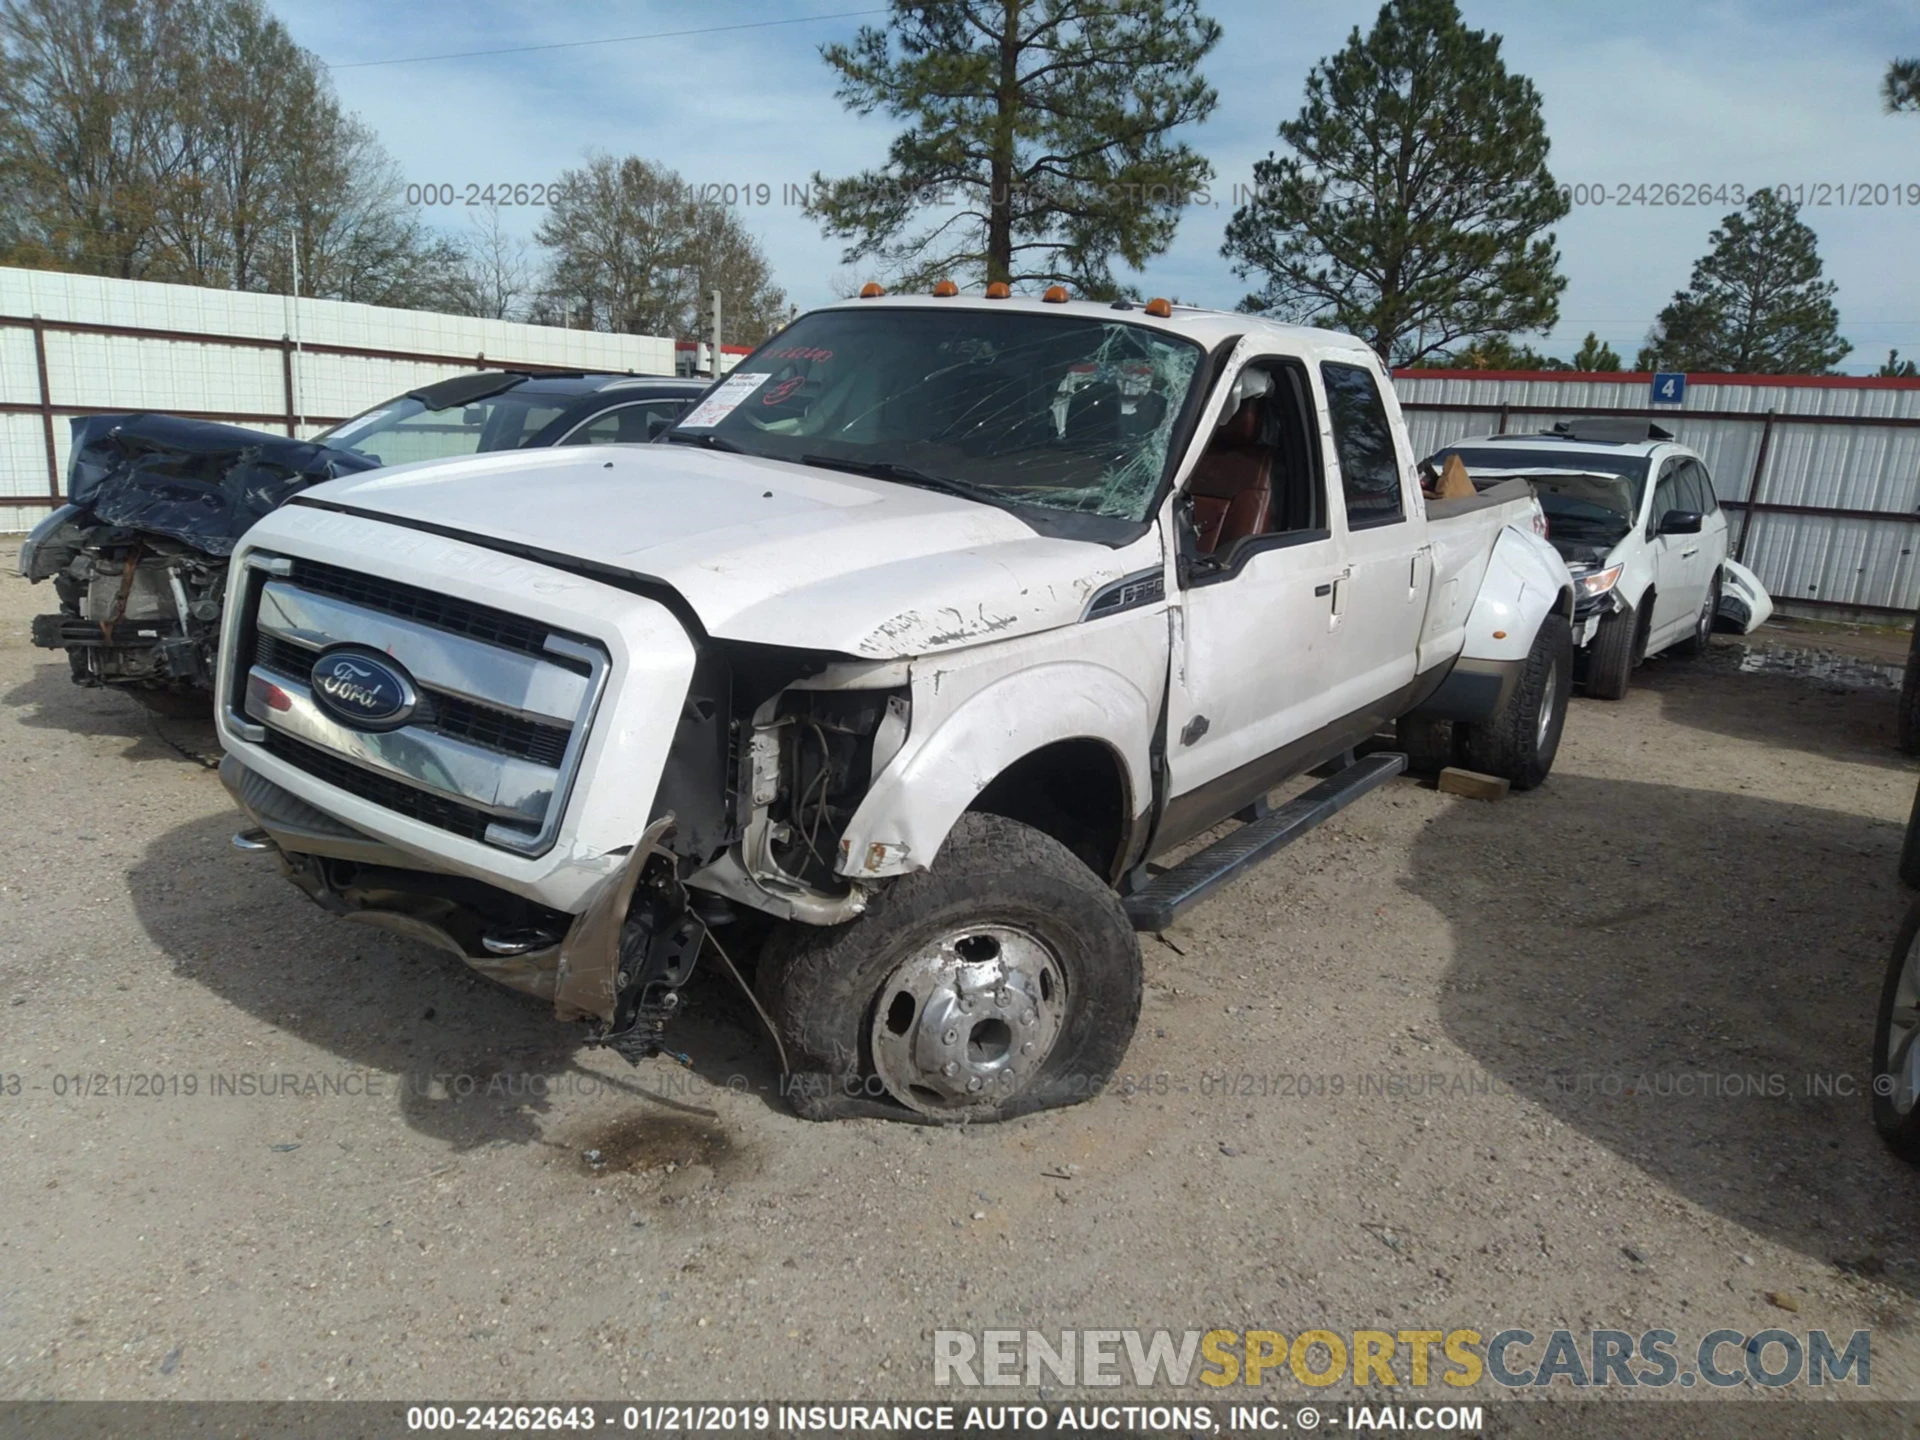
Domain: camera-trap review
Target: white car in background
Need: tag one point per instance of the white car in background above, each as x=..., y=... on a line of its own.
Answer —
x=1636, y=519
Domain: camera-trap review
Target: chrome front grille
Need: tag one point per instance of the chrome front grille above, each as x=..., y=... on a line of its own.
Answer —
x=443, y=713
x=443, y=612
x=504, y=703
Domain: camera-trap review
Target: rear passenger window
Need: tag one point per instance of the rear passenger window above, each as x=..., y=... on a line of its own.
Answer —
x=1686, y=494
x=1369, y=464
x=1703, y=483
x=1666, y=496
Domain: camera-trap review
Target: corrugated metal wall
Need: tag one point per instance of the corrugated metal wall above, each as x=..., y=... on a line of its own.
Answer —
x=240, y=380
x=1834, y=519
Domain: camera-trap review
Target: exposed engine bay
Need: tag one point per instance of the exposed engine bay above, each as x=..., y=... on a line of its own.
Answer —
x=136, y=610
x=138, y=554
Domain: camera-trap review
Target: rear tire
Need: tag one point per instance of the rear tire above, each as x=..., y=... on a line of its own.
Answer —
x=1613, y=654
x=1520, y=742
x=1003, y=980
x=1896, y=1114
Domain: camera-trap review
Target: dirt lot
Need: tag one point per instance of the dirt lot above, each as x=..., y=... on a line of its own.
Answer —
x=1705, y=886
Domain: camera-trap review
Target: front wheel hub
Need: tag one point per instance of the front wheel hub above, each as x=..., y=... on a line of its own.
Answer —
x=969, y=1018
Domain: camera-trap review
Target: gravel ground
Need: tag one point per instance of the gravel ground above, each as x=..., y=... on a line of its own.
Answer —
x=1706, y=885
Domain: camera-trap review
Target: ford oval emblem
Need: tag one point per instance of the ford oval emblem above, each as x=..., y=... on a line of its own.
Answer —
x=363, y=688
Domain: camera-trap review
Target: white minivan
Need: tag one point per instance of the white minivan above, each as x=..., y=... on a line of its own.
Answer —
x=1636, y=519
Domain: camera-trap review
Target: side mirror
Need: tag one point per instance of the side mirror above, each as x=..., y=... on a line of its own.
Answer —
x=1680, y=522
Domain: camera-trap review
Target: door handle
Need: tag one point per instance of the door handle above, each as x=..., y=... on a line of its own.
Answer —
x=1689, y=554
x=1320, y=590
x=1338, y=589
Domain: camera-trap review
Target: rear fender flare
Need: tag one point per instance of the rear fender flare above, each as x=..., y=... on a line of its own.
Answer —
x=1526, y=581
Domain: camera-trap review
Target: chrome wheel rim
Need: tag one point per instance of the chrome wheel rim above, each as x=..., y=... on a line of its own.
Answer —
x=1903, y=1025
x=968, y=1019
x=1549, y=700
x=1704, y=630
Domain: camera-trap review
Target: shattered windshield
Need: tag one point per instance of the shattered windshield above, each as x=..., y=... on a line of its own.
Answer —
x=1015, y=408
x=405, y=429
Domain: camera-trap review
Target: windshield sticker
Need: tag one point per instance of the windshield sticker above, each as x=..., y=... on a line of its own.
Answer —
x=723, y=401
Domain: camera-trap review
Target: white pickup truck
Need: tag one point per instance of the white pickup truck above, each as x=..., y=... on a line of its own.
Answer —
x=890, y=669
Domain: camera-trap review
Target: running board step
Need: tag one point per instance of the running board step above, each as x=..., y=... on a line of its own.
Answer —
x=1163, y=899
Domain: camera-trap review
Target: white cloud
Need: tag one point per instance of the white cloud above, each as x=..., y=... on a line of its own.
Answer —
x=1635, y=92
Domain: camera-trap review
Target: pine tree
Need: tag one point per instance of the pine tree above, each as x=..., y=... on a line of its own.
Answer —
x=1756, y=303
x=1414, y=209
x=1595, y=356
x=1502, y=352
x=1901, y=89
x=1036, y=145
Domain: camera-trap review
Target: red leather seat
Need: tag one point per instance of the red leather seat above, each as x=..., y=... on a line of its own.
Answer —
x=1232, y=486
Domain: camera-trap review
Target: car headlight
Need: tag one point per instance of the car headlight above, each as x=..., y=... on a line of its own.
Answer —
x=29, y=547
x=1600, y=581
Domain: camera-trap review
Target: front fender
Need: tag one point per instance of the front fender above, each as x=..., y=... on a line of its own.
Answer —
x=928, y=786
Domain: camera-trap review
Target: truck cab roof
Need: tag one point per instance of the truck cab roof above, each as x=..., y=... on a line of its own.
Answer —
x=1209, y=328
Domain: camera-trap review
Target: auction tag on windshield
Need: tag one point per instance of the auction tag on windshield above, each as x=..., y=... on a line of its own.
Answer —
x=722, y=402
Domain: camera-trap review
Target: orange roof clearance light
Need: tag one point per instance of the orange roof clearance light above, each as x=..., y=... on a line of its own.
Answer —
x=945, y=290
x=999, y=290
x=872, y=290
x=1160, y=309
x=1055, y=295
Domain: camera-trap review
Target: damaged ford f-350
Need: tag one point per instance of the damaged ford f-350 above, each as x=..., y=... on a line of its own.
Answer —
x=909, y=649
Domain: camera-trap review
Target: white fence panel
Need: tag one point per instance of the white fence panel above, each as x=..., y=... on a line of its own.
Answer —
x=230, y=356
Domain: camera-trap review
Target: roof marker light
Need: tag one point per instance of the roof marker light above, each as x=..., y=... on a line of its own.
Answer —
x=999, y=290
x=1160, y=309
x=945, y=290
x=1055, y=295
x=872, y=290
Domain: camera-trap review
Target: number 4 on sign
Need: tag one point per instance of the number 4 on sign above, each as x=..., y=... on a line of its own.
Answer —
x=1669, y=388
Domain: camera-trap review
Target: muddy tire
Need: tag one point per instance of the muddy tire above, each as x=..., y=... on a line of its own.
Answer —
x=1520, y=742
x=1697, y=643
x=1896, y=1045
x=1003, y=980
x=1429, y=744
x=1613, y=654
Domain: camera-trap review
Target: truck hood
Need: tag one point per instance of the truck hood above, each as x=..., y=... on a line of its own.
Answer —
x=765, y=550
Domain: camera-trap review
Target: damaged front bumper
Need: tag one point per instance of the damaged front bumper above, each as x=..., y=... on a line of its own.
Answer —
x=1589, y=611
x=617, y=961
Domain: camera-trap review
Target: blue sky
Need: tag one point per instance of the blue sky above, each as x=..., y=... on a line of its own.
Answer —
x=1713, y=94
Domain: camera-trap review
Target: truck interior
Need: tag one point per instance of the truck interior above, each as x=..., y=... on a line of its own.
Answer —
x=1258, y=475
